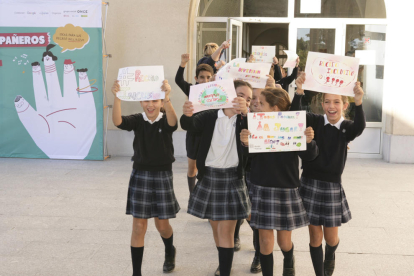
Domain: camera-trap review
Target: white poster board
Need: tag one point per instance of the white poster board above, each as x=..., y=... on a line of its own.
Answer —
x=141, y=83
x=263, y=53
x=212, y=95
x=253, y=73
x=291, y=60
x=332, y=74
x=277, y=131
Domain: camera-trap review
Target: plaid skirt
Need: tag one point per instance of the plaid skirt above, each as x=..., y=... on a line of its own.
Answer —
x=325, y=202
x=220, y=195
x=276, y=208
x=151, y=194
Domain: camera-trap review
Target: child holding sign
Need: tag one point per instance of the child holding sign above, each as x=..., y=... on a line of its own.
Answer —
x=321, y=189
x=220, y=194
x=212, y=54
x=273, y=189
x=151, y=191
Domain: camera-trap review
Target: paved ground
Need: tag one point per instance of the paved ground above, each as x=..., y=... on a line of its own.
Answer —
x=67, y=218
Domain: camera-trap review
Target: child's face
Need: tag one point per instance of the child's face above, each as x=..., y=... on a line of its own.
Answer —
x=152, y=108
x=265, y=107
x=333, y=107
x=203, y=77
x=255, y=103
x=246, y=93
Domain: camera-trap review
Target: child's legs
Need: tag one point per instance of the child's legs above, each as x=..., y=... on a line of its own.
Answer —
x=315, y=235
x=214, y=227
x=331, y=235
x=284, y=240
x=192, y=168
x=267, y=241
x=225, y=233
x=164, y=228
x=139, y=228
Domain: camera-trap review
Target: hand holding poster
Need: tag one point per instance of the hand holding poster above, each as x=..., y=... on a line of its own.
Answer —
x=212, y=95
x=291, y=60
x=331, y=74
x=253, y=73
x=141, y=83
x=277, y=131
x=263, y=53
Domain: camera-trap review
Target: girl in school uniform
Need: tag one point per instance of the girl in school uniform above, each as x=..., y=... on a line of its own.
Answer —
x=321, y=185
x=151, y=191
x=273, y=189
x=220, y=194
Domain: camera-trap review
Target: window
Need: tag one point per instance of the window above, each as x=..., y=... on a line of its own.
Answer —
x=250, y=8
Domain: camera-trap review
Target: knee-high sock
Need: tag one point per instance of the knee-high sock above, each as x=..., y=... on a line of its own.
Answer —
x=256, y=242
x=169, y=248
x=191, y=182
x=267, y=264
x=330, y=251
x=288, y=260
x=225, y=260
x=237, y=229
x=317, y=259
x=136, y=256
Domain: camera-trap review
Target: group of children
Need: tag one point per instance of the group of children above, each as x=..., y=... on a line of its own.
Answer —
x=233, y=185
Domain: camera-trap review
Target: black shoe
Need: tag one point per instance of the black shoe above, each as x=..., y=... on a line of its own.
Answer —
x=217, y=273
x=289, y=271
x=329, y=267
x=256, y=266
x=237, y=244
x=169, y=263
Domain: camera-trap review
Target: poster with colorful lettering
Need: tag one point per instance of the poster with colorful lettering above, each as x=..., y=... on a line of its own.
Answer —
x=264, y=53
x=141, y=83
x=332, y=74
x=51, y=89
x=253, y=73
x=277, y=131
x=212, y=95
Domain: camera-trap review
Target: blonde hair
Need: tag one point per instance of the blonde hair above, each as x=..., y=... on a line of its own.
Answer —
x=210, y=48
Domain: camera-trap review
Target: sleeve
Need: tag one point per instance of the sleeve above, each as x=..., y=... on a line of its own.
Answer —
x=196, y=122
x=167, y=127
x=179, y=80
x=209, y=61
x=311, y=152
x=296, y=103
x=131, y=122
x=277, y=73
x=312, y=120
x=356, y=128
x=288, y=80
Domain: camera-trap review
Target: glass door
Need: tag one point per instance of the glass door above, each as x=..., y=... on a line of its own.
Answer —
x=235, y=33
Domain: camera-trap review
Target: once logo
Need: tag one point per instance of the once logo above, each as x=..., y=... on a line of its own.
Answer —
x=82, y=11
x=332, y=73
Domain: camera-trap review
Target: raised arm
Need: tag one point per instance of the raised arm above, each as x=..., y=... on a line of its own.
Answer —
x=116, y=111
x=169, y=109
x=358, y=126
x=276, y=69
x=312, y=150
x=179, y=77
x=216, y=55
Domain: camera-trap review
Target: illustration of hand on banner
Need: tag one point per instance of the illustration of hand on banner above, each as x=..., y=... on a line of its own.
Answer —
x=62, y=127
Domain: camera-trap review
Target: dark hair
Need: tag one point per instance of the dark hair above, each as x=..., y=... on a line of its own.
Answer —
x=49, y=53
x=277, y=97
x=36, y=63
x=204, y=67
x=238, y=83
x=82, y=70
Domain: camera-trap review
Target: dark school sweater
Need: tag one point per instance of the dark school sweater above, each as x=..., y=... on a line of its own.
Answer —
x=208, y=60
x=332, y=143
x=179, y=80
x=204, y=123
x=153, y=144
x=279, y=169
x=284, y=82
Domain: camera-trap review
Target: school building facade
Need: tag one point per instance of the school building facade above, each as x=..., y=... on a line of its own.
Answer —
x=157, y=32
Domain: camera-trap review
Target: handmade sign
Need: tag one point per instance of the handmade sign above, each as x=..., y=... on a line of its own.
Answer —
x=253, y=73
x=331, y=73
x=141, y=83
x=277, y=131
x=212, y=95
x=291, y=60
x=263, y=53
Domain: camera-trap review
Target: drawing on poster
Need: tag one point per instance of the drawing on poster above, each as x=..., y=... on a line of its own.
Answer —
x=263, y=53
x=212, y=95
x=277, y=131
x=332, y=74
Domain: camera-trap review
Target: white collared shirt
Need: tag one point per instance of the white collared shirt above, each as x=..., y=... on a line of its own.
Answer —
x=223, y=149
x=144, y=115
x=337, y=125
